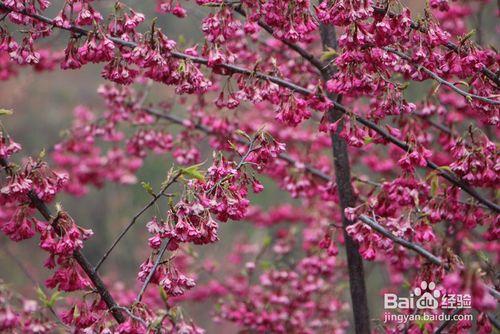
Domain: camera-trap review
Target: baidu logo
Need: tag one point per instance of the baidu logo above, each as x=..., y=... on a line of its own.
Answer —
x=425, y=296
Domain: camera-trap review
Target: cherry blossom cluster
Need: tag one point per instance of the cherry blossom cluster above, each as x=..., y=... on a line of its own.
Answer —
x=221, y=192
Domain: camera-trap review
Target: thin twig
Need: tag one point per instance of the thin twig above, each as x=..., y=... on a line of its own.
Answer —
x=133, y=316
x=153, y=201
x=238, y=166
x=166, y=241
x=27, y=273
x=134, y=219
x=152, y=272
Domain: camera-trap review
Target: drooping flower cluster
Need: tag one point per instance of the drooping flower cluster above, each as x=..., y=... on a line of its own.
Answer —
x=222, y=192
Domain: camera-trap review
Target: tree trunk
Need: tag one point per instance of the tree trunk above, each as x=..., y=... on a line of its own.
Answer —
x=346, y=196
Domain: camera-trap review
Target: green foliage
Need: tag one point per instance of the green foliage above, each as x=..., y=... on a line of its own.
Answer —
x=49, y=301
x=6, y=112
x=148, y=187
x=328, y=54
x=193, y=172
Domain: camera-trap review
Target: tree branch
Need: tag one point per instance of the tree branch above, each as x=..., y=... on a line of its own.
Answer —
x=166, y=241
x=449, y=45
x=416, y=248
x=27, y=273
x=77, y=254
x=365, y=219
x=302, y=52
x=442, y=81
x=316, y=172
x=153, y=269
x=445, y=324
x=319, y=65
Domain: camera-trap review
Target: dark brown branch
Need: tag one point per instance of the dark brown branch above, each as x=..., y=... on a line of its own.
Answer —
x=493, y=319
x=77, y=255
x=284, y=83
x=449, y=45
x=416, y=248
x=446, y=323
x=440, y=80
x=302, y=52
